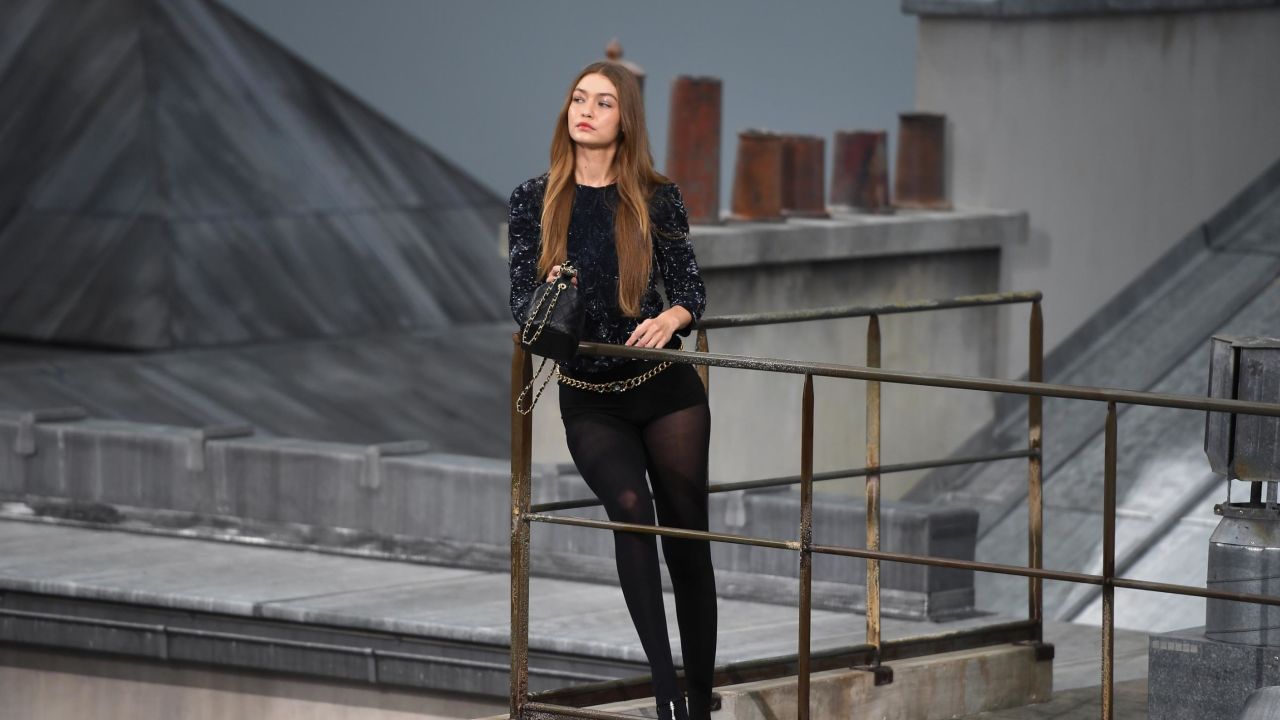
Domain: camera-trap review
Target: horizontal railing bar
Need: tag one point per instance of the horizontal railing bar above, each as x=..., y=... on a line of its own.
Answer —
x=793, y=479
x=664, y=531
x=962, y=639
x=959, y=564
x=958, y=382
x=825, y=549
x=974, y=565
x=569, y=711
x=566, y=505
x=861, y=472
x=852, y=311
x=1193, y=591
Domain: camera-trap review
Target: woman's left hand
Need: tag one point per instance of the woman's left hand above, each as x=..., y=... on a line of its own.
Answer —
x=656, y=332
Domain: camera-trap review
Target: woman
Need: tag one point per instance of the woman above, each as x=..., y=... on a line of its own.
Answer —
x=604, y=207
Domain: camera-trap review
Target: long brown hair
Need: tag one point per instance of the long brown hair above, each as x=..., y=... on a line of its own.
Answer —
x=636, y=178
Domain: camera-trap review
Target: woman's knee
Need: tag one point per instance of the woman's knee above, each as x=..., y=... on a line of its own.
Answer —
x=633, y=505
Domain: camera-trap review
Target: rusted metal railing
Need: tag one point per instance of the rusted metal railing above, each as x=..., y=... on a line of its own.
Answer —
x=875, y=650
x=872, y=472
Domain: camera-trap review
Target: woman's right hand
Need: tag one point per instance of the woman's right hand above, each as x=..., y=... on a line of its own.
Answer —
x=555, y=273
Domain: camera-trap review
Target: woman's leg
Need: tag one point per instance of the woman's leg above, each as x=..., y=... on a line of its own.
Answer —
x=676, y=445
x=610, y=455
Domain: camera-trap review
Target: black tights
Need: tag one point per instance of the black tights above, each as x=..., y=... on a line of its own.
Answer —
x=612, y=455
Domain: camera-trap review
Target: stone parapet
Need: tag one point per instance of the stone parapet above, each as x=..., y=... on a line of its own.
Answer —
x=442, y=508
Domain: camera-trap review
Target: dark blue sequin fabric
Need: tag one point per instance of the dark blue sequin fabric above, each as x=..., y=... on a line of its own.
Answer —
x=591, y=249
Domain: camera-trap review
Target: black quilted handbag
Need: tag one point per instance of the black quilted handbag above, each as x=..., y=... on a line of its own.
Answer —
x=554, y=324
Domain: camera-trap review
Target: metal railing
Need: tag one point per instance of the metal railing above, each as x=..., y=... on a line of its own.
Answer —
x=875, y=650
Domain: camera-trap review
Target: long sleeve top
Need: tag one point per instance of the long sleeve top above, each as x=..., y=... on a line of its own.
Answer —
x=592, y=250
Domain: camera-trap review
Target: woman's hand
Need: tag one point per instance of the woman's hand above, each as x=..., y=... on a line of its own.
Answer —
x=656, y=332
x=555, y=273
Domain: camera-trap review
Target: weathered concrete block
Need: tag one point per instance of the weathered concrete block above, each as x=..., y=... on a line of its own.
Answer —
x=449, y=497
x=109, y=462
x=453, y=498
x=1191, y=676
x=290, y=481
x=565, y=540
x=940, y=686
x=907, y=590
x=12, y=467
x=454, y=508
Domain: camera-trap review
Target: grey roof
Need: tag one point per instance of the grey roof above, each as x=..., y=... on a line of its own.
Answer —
x=1223, y=278
x=173, y=177
x=448, y=386
x=1068, y=8
x=184, y=586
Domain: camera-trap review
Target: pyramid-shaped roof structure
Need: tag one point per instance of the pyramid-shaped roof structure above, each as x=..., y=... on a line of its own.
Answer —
x=172, y=177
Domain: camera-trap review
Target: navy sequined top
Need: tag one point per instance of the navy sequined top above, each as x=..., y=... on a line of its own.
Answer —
x=591, y=249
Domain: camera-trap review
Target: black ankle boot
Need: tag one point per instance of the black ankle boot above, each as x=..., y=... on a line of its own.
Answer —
x=672, y=710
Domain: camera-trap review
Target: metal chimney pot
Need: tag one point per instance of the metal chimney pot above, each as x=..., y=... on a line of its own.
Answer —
x=1244, y=551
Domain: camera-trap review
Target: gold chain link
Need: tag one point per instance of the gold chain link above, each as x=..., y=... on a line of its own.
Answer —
x=524, y=333
x=525, y=392
x=616, y=386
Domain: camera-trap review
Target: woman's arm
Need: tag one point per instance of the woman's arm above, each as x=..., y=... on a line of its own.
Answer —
x=524, y=231
x=679, y=267
x=686, y=293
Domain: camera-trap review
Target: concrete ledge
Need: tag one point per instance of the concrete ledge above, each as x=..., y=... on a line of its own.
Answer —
x=928, y=688
x=374, y=657
x=43, y=683
x=848, y=236
x=401, y=502
x=910, y=591
x=1051, y=8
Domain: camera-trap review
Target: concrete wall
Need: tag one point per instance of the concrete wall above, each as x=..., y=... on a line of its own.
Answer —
x=434, y=508
x=1118, y=134
x=40, y=684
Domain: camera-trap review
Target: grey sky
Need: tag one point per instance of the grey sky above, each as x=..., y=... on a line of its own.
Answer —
x=480, y=81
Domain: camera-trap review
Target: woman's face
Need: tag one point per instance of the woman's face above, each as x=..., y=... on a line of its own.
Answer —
x=593, y=112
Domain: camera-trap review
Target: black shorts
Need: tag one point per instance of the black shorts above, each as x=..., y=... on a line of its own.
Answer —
x=676, y=388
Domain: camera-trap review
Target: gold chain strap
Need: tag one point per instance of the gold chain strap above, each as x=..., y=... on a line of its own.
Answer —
x=616, y=386
x=524, y=332
x=526, y=340
x=525, y=392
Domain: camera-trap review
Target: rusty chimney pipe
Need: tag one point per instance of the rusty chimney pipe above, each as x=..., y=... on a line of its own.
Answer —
x=757, y=177
x=920, y=174
x=803, y=173
x=860, y=178
x=693, y=145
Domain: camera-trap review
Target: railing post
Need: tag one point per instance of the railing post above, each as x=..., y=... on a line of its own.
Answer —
x=1035, y=495
x=704, y=371
x=1108, y=562
x=521, y=478
x=806, y=548
x=873, y=488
